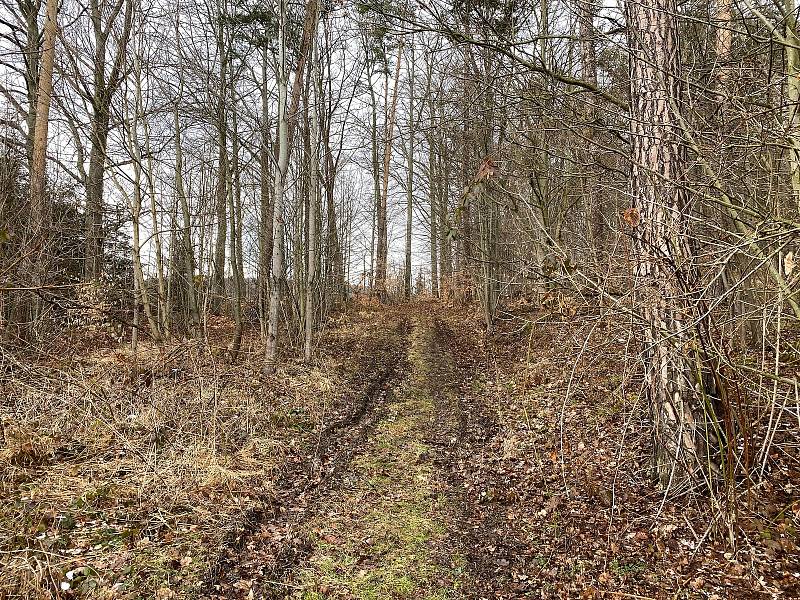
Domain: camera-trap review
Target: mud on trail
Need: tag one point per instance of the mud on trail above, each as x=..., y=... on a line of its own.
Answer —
x=267, y=544
x=377, y=510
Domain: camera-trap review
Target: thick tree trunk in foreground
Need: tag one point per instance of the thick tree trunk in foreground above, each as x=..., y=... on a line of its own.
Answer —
x=659, y=222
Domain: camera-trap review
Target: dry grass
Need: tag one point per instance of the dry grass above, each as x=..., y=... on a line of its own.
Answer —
x=122, y=475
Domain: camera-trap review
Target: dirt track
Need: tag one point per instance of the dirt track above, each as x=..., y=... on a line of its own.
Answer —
x=377, y=510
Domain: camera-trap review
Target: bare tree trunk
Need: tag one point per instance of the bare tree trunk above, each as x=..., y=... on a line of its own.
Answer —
x=186, y=238
x=286, y=120
x=281, y=170
x=445, y=254
x=298, y=235
x=792, y=49
x=382, y=218
x=221, y=193
x=487, y=225
x=335, y=280
x=432, y=184
x=664, y=268
x=586, y=14
x=104, y=89
x=334, y=288
x=188, y=261
x=266, y=206
x=409, y=179
x=135, y=147
x=94, y=196
x=29, y=9
x=163, y=296
x=376, y=180
x=141, y=295
x=464, y=215
x=234, y=201
x=313, y=211
x=40, y=210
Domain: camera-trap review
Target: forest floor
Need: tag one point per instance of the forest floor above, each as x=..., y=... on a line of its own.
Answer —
x=416, y=458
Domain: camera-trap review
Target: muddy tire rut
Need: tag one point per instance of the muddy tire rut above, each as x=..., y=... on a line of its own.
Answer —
x=304, y=478
x=381, y=497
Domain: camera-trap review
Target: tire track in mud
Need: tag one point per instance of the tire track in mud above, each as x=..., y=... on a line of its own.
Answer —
x=301, y=482
x=381, y=534
x=464, y=425
x=418, y=398
x=393, y=528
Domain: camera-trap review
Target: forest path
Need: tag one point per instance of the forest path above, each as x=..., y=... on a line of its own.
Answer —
x=382, y=531
x=377, y=507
